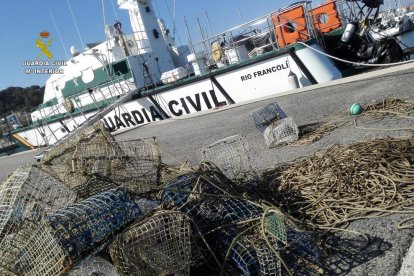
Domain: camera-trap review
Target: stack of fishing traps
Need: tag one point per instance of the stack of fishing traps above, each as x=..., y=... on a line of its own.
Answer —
x=236, y=235
x=57, y=161
x=92, y=162
x=276, y=127
x=133, y=164
x=97, y=206
x=26, y=198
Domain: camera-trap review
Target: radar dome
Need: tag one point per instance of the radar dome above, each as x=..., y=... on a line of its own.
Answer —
x=74, y=51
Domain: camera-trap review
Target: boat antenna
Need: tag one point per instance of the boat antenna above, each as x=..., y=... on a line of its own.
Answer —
x=173, y=20
x=76, y=25
x=200, y=29
x=189, y=36
x=113, y=8
x=209, y=24
x=241, y=16
x=174, y=27
x=60, y=37
x=104, y=17
x=171, y=16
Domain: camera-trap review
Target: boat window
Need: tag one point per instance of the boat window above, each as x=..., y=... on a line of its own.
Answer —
x=290, y=27
x=323, y=18
x=121, y=68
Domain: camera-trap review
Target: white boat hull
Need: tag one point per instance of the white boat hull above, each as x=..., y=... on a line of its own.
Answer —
x=264, y=78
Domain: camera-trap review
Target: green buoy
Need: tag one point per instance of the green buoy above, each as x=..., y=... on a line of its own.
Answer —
x=355, y=109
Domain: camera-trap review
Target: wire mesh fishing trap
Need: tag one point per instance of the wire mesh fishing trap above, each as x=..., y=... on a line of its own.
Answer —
x=89, y=135
x=93, y=187
x=95, y=266
x=41, y=254
x=232, y=156
x=267, y=115
x=281, y=131
x=86, y=224
x=72, y=234
x=58, y=160
x=158, y=245
x=27, y=195
x=133, y=164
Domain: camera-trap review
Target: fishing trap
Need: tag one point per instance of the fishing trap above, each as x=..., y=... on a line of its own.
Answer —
x=280, y=132
x=231, y=155
x=73, y=234
x=95, y=266
x=266, y=115
x=158, y=245
x=81, y=227
x=26, y=197
x=57, y=160
x=133, y=164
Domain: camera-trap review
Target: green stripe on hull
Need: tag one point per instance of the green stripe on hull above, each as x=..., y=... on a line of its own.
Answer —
x=101, y=77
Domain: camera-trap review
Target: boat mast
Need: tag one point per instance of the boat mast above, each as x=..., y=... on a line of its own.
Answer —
x=147, y=33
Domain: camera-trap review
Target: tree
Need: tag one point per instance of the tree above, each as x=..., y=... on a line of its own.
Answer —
x=20, y=99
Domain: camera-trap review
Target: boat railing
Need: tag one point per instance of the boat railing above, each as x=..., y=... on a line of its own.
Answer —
x=237, y=44
x=276, y=30
x=85, y=113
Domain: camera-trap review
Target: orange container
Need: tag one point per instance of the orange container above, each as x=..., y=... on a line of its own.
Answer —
x=326, y=17
x=290, y=26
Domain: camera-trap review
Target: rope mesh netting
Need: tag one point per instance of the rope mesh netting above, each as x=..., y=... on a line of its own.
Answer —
x=349, y=182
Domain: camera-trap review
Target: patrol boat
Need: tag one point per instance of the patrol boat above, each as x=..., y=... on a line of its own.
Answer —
x=135, y=79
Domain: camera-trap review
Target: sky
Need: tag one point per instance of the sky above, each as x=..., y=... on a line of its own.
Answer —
x=23, y=20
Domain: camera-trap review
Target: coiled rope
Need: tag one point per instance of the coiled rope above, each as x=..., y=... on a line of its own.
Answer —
x=346, y=183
